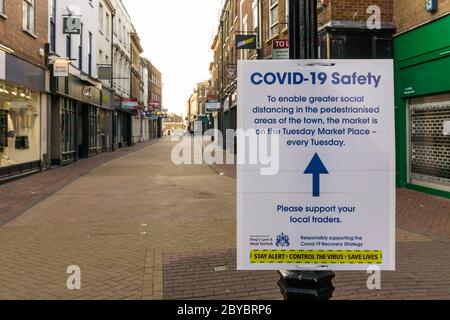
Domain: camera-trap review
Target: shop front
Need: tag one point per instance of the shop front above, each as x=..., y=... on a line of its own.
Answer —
x=106, y=121
x=423, y=107
x=124, y=121
x=75, y=113
x=22, y=115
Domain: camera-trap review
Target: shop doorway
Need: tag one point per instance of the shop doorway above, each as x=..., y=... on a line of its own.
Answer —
x=88, y=131
x=429, y=141
x=68, y=131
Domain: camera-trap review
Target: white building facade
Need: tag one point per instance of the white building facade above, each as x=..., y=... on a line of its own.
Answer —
x=77, y=97
x=105, y=72
x=121, y=84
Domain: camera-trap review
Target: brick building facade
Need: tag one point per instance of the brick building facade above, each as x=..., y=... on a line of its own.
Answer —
x=410, y=14
x=13, y=34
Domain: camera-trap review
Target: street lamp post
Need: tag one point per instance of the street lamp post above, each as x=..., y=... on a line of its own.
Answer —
x=304, y=285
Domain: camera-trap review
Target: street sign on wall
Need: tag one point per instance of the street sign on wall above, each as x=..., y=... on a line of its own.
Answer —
x=326, y=198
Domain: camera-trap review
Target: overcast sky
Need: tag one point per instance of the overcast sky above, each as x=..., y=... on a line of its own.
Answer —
x=176, y=36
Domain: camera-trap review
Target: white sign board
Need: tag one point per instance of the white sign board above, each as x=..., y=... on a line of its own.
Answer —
x=60, y=69
x=2, y=65
x=323, y=196
x=446, y=128
x=213, y=106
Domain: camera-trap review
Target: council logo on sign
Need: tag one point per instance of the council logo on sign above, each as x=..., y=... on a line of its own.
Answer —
x=283, y=241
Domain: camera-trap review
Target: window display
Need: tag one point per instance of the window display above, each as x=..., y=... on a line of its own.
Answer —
x=19, y=125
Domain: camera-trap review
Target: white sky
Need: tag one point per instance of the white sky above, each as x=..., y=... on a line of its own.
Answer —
x=176, y=36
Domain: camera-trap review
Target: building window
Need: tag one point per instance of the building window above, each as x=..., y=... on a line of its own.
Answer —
x=100, y=13
x=28, y=15
x=90, y=54
x=273, y=18
x=287, y=13
x=69, y=46
x=80, y=50
x=52, y=25
x=255, y=15
x=1, y=7
x=107, y=25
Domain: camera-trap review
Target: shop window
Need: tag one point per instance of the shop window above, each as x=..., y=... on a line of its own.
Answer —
x=429, y=141
x=19, y=125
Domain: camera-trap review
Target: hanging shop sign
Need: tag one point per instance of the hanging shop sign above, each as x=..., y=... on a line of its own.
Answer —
x=2, y=64
x=316, y=181
x=280, y=49
x=245, y=41
x=129, y=104
x=72, y=25
x=230, y=71
x=213, y=106
x=61, y=68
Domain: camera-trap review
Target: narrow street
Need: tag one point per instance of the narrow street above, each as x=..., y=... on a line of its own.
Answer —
x=140, y=227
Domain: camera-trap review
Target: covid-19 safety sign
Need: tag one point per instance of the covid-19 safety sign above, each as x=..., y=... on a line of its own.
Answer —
x=316, y=165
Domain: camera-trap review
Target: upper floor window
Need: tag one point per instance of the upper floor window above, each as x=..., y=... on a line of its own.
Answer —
x=255, y=15
x=28, y=15
x=1, y=6
x=52, y=25
x=108, y=27
x=273, y=18
x=100, y=13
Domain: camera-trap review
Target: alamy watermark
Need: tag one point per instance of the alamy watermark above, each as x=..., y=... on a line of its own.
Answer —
x=252, y=146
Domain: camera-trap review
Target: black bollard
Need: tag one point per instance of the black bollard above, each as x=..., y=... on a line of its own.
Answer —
x=306, y=285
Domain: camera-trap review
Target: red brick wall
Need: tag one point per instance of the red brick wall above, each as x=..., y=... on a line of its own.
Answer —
x=12, y=34
x=356, y=10
x=409, y=14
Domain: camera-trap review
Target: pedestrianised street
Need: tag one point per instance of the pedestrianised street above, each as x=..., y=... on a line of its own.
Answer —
x=140, y=227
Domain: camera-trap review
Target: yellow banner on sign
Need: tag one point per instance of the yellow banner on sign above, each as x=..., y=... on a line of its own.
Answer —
x=317, y=256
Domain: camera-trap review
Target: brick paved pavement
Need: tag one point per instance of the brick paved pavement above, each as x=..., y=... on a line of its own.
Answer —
x=20, y=195
x=141, y=228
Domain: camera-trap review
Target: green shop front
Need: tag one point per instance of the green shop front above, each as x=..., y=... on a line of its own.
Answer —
x=75, y=112
x=422, y=65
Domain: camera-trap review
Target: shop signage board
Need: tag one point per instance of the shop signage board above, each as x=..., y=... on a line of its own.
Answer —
x=326, y=198
x=72, y=25
x=2, y=65
x=245, y=41
x=61, y=69
x=280, y=49
x=213, y=106
x=129, y=104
